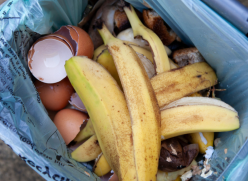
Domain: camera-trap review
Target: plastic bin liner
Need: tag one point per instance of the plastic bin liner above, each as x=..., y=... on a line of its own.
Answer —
x=226, y=49
x=25, y=125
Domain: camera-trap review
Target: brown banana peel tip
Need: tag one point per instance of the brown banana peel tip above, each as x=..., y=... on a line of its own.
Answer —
x=98, y=24
x=127, y=5
x=154, y=62
x=155, y=65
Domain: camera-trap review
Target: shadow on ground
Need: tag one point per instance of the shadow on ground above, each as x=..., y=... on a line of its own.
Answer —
x=12, y=168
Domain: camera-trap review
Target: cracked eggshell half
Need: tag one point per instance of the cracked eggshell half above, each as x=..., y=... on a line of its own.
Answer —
x=80, y=40
x=47, y=56
x=68, y=122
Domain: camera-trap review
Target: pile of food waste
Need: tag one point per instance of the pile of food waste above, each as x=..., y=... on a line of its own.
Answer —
x=125, y=92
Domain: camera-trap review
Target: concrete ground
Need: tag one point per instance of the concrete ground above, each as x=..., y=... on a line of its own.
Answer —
x=244, y=2
x=12, y=168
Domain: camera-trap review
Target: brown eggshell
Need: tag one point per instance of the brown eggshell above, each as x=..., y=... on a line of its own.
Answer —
x=68, y=122
x=65, y=32
x=113, y=178
x=85, y=44
x=81, y=41
x=109, y=177
x=64, y=39
x=55, y=96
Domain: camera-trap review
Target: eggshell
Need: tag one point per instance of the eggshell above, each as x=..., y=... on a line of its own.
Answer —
x=68, y=122
x=63, y=39
x=77, y=103
x=52, y=114
x=55, y=96
x=111, y=176
x=47, y=56
x=65, y=32
x=81, y=41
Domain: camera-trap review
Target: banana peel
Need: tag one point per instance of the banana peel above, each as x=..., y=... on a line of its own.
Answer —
x=85, y=133
x=178, y=179
x=137, y=49
x=106, y=60
x=204, y=140
x=197, y=114
x=108, y=111
x=178, y=83
x=174, y=84
x=101, y=166
x=196, y=94
x=160, y=57
x=88, y=151
x=142, y=105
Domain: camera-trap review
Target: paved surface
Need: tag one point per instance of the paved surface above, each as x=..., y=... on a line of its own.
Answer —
x=244, y=2
x=12, y=168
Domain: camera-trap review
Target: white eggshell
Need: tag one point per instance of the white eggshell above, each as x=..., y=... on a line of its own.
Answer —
x=47, y=60
x=77, y=103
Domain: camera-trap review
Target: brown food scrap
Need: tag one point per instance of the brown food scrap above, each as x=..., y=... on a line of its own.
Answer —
x=173, y=150
x=87, y=173
x=225, y=150
x=187, y=56
x=153, y=21
x=168, y=159
x=196, y=170
x=180, y=153
x=99, y=15
x=121, y=21
x=89, y=14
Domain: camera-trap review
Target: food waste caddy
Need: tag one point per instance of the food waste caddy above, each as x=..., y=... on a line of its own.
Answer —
x=28, y=130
